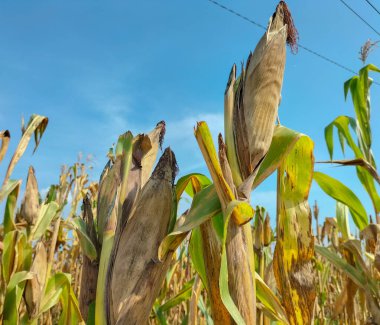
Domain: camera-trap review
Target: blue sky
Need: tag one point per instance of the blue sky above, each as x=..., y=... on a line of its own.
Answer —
x=97, y=69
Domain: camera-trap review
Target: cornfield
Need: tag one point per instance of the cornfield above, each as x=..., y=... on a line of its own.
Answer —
x=120, y=251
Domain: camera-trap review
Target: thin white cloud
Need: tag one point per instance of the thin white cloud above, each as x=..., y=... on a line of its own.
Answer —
x=184, y=128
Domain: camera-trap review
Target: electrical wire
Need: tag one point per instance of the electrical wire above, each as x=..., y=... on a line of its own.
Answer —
x=321, y=56
x=372, y=5
x=360, y=17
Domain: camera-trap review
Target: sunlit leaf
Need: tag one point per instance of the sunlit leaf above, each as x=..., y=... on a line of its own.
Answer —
x=45, y=217
x=86, y=243
x=205, y=205
x=13, y=296
x=283, y=141
x=294, y=249
x=54, y=288
x=183, y=295
x=36, y=125
x=343, y=194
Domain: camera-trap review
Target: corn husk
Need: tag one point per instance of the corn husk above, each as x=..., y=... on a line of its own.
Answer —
x=137, y=275
x=257, y=97
x=90, y=268
x=34, y=287
x=30, y=205
x=144, y=154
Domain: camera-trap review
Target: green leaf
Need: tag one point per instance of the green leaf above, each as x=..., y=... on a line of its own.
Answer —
x=100, y=312
x=342, y=220
x=86, y=243
x=13, y=296
x=47, y=213
x=185, y=184
x=294, y=249
x=196, y=254
x=342, y=123
x=70, y=308
x=8, y=261
x=205, y=205
x=283, y=141
x=272, y=306
x=355, y=275
x=343, y=194
x=37, y=125
x=10, y=205
x=8, y=188
x=54, y=288
x=91, y=314
x=183, y=295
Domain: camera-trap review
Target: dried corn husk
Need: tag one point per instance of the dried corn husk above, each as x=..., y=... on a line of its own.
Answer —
x=34, y=287
x=137, y=275
x=144, y=154
x=267, y=231
x=30, y=205
x=257, y=97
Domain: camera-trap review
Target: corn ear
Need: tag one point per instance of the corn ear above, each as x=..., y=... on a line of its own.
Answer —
x=30, y=205
x=5, y=137
x=267, y=231
x=224, y=191
x=138, y=156
x=90, y=268
x=137, y=274
x=34, y=287
x=258, y=96
x=229, y=101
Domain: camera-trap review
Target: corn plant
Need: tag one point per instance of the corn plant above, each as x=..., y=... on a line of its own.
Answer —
x=119, y=251
x=358, y=300
x=33, y=281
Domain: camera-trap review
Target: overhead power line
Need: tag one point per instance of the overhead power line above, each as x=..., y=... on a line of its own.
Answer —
x=371, y=4
x=360, y=17
x=321, y=56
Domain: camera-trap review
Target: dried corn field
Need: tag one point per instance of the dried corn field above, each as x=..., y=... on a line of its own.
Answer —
x=121, y=251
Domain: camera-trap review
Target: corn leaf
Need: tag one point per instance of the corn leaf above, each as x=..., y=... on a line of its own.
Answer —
x=70, y=308
x=272, y=306
x=100, y=315
x=10, y=205
x=359, y=88
x=225, y=194
x=355, y=275
x=54, y=288
x=342, y=220
x=183, y=295
x=294, y=251
x=196, y=254
x=8, y=188
x=205, y=205
x=45, y=217
x=343, y=194
x=8, y=259
x=283, y=141
x=190, y=182
x=37, y=125
x=13, y=296
x=85, y=241
x=342, y=124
